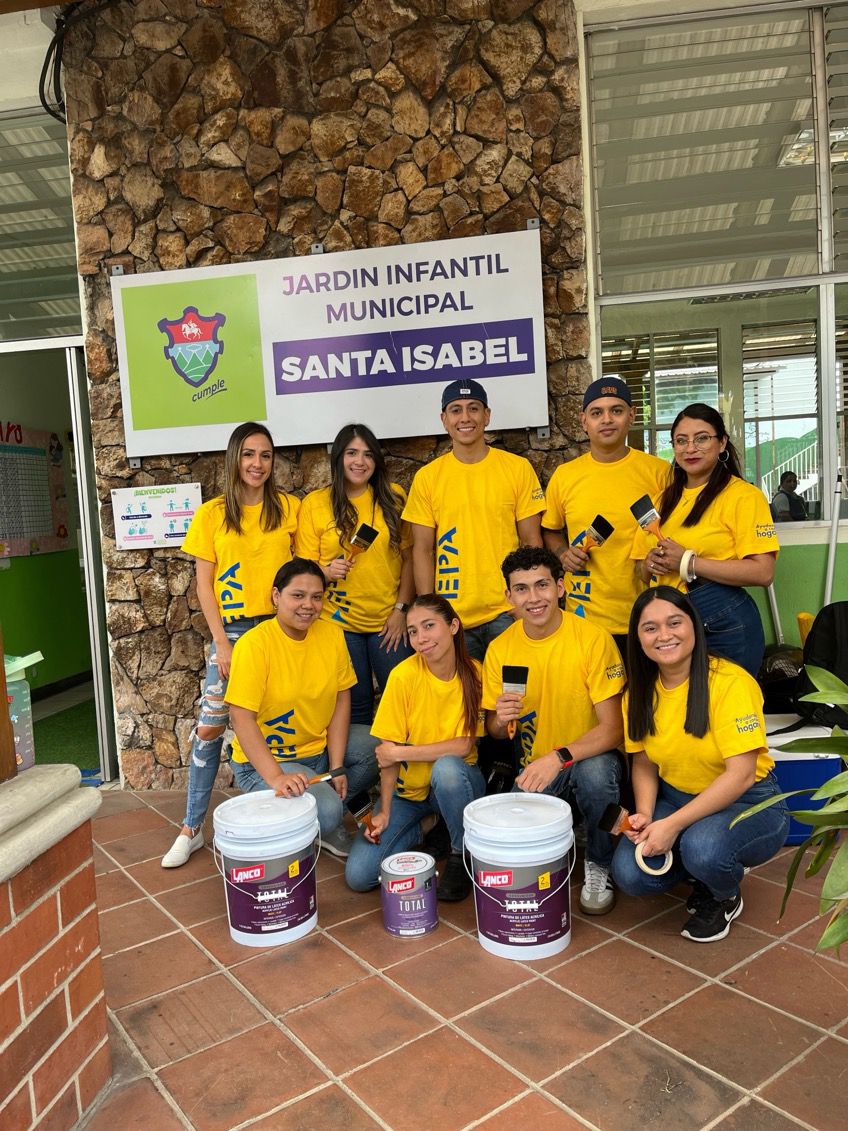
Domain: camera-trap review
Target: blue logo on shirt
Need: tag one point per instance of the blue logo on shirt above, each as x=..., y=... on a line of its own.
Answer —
x=232, y=594
x=279, y=740
x=447, y=566
x=527, y=737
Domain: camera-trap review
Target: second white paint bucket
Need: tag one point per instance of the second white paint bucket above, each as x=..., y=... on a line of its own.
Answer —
x=268, y=849
x=522, y=854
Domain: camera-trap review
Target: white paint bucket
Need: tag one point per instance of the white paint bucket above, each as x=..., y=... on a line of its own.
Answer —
x=522, y=854
x=408, y=894
x=268, y=855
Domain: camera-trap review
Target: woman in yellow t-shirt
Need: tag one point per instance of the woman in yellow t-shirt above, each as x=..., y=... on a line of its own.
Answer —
x=427, y=722
x=238, y=540
x=718, y=536
x=369, y=592
x=694, y=724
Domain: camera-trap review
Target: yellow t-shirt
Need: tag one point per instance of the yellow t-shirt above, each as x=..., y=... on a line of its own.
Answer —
x=473, y=508
x=363, y=600
x=736, y=727
x=737, y=523
x=569, y=671
x=605, y=591
x=418, y=708
x=292, y=685
x=245, y=564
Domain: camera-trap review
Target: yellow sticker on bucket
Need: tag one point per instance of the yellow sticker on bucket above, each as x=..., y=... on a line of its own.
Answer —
x=544, y=881
x=294, y=868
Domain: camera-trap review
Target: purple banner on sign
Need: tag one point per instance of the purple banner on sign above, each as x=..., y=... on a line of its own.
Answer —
x=405, y=357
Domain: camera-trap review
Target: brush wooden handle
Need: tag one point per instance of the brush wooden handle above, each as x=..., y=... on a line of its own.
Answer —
x=511, y=728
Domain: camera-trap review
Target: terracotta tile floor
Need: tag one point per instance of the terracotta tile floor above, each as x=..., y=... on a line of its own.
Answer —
x=352, y=1028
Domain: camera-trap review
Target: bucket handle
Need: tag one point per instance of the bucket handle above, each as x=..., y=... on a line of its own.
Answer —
x=572, y=852
x=219, y=867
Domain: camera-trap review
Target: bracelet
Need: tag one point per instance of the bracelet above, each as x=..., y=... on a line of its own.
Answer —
x=685, y=565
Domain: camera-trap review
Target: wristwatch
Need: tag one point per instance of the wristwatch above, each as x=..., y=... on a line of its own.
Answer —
x=401, y=606
x=566, y=758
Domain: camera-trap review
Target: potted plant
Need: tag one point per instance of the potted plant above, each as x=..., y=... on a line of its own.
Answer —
x=829, y=823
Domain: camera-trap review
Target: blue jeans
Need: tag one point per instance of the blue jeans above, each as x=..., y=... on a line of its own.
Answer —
x=360, y=765
x=453, y=785
x=478, y=639
x=732, y=622
x=709, y=850
x=370, y=658
x=206, y=752
x=591, y=784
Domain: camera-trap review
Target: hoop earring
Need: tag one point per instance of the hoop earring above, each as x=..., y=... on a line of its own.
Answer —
x=726, y=455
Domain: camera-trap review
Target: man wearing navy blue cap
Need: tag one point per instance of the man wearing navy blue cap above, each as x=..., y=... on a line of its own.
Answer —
x=469, y=508
x=601, y=584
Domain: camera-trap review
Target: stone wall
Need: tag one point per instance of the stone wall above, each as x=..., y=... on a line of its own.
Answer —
x=229, y=130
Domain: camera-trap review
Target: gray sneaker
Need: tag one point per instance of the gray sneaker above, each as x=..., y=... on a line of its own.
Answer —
x=338, y=842
x=596, y=896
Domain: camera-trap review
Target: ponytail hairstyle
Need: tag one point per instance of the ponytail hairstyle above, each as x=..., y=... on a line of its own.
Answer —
x=344, y=512
x=469, y=678
x=722, y=473
x=272, y=506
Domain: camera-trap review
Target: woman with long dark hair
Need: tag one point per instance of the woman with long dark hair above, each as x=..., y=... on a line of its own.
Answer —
x=368, y=593
x=428, y=722
x=718, y=536
x=238, y=541
x=694, y=725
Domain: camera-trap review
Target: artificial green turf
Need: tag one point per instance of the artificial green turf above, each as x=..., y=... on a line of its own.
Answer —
x=69, y=736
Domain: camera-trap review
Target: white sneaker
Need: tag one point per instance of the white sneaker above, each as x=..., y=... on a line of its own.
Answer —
x=182, y=848
x=597, y=896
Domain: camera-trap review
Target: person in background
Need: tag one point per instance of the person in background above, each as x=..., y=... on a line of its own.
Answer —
x=601, y=583
x=718, y=537
x=289, y=699
x=468, y=509
x=786, y=504
x=568, y=721
x=238, y=541
x=427, y=723
x=694, y=724
x=367, y=595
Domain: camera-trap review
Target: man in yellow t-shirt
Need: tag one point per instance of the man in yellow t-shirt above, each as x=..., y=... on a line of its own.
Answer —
x=569, y=722
x=601, y=582
x=289, y=701
x=468, y=509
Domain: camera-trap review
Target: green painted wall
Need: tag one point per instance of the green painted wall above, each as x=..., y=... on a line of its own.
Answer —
x=799, y=585
x=42, y=603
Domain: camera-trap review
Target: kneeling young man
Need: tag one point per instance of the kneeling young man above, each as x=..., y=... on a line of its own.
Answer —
x=569, y=722
x=290, y=704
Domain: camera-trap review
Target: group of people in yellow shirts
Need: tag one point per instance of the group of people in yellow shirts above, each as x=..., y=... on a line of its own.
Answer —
x=645, y=643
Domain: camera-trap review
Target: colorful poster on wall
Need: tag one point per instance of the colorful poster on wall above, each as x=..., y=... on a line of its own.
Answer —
x=153, y=516
x=33, y=497
x=309, y=343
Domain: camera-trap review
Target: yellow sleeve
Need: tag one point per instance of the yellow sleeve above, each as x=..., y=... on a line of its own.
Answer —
x=248, y=674
x=605, y=669
x=390, y=721
x=736, y=715
x=419, y=507
x=199, y=540
x=554, y=516
x=530, y=498
x=307, y=540
x=753, y=525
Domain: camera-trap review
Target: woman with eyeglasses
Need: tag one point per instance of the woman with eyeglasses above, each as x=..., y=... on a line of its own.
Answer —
x=718, y=537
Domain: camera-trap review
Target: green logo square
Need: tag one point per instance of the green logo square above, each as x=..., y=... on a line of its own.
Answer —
x=194, y=352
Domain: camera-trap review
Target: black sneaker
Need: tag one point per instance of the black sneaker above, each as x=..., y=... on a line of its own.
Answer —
x=437, y=841
x=455, y=883
x=712, y=920
x=699, y=895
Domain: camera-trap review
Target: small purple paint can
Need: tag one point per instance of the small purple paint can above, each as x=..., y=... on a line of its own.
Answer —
x=408, y=893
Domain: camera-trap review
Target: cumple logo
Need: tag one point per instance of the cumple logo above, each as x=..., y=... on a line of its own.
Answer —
x=193, y=345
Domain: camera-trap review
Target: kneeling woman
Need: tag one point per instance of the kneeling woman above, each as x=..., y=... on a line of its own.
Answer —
x=428, y=721
x=694, y=725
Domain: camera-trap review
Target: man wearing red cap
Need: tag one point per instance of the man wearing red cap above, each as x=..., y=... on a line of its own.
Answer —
x=469, y=508
x=602, y=584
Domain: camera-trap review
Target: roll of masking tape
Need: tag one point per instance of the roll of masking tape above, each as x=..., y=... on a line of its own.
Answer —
x=663, y=868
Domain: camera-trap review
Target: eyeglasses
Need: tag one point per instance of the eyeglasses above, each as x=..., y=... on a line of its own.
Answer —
x=698, y=442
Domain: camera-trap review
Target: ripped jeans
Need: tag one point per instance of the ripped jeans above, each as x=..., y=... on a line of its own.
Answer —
x=206, y=752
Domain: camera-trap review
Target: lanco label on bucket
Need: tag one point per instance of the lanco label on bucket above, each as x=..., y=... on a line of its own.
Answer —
x=408, y=895
x=520, y=910
x=263, y=897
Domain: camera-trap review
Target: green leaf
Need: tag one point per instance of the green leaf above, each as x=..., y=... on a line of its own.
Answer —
x=827, y=681
x=832, y=788
x=765, y=805
x=824, y=745
x=835, y=934
x=817, y=817
x=828, y=697
x=791, y=874
x=822, y=855
x=835, y=885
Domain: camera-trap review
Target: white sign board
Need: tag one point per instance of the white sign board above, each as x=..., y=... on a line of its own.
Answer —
x=153, y=516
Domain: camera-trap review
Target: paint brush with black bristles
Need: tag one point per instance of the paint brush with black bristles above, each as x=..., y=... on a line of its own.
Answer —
x=362, y=538
x=614, y=820
x=596, y=533
x=647, y=515
x=515, y=681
